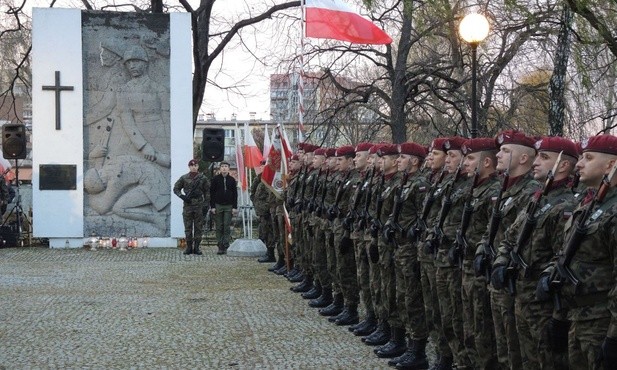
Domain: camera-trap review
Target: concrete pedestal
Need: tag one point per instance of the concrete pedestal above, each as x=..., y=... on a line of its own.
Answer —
x=246, y=248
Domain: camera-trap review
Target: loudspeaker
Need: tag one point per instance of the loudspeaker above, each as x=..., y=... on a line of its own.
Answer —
x=14, y=141
x=213, y=145
x=8, y=236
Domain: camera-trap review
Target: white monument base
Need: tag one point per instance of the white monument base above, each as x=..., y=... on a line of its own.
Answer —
x=247, y=248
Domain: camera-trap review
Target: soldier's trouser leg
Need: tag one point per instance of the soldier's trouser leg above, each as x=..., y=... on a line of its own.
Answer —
x=280, y=235
x=409, y=292
x=448, y=281
x=187, y=219
x=584, y=342
x=364, y=283
x=508, y=349
x=388, y=285
x=298, y=250
x=431, y=306
x=265, y=229
x=346, y=268
x=320, y=260
x=531, y=319
x=198, y=224
x=375, y=285
x=478, y=320
x=307, y=243
x=331, y=256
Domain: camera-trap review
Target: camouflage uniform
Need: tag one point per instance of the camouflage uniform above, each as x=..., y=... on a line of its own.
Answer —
x=410, y=304
x=502, y=304
x=329, y=201
x=448, y=276
x=532, y=315
x=360, y=247
x=195, y=189
x=477, y=318
x=320, y=261
x=260, y=197
x=374, y=270
x=308, y=225
x=294, y=186
x=593, y=306
x=428, y=278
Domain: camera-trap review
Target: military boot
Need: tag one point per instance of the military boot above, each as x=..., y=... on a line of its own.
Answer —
x=282, y=270
x=379, y=337
x=268, y=257
x=196, y=249
x=443, y=363
x=324, y=299
x=335, y=308
x=280, y=262
x=395, y=347
x=189, y=247
x=362, y=323
x=304, y=286
x=221, y=249
x=315, y=291
x=368, y=325
x=297, y=277
x=414, y=358
x=348, y=317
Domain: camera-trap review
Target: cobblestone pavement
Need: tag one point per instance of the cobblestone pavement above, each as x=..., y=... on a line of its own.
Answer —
x=156, y=308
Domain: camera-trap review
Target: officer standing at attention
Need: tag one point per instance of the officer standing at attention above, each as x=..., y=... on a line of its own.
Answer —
x=191, y=188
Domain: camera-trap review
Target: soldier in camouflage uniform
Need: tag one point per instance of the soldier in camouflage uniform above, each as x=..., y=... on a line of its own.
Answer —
x=478, y=325
x=448, y=275
x=554, y=205
x=516, y=155
x=409, y=302
x=191, y=188
x=591, y=258
x=295, y=167
x=343, y=245
x=259, y=198
x=298, y=170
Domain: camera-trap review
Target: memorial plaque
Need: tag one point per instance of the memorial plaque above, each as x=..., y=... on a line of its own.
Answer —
x=57, y=177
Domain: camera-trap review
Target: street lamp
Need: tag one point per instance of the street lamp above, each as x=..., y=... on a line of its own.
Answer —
x=473, y=29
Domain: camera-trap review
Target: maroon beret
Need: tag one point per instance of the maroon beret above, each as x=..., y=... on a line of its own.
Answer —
x=412, y=149
x=375, y=148
x=310, y=148
x=479, y=144
x=193, y=162
x=438, y=144
x=387, y=149
x=601, y=144
x=363, y=147
x=301, y=146
x=295, y=157
x=346, y=150
x=557, y=144
x=453, y=143
x=320, y=151
x=515, y=137
x=330, y=152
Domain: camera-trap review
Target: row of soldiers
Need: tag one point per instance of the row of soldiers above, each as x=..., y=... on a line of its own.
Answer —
x=501, y=251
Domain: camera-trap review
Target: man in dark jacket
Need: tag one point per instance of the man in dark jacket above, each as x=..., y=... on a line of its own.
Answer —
x=223, y=203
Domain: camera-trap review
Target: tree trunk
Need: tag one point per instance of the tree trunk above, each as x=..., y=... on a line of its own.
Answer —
x=557, y=84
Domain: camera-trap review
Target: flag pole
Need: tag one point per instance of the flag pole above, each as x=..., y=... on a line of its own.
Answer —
x=301, y=76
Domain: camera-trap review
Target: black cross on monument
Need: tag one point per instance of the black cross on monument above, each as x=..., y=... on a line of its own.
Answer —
x=57, y=88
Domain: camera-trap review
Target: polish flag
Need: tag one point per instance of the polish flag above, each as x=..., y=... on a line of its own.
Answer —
x=272, y=175
x=252, y=155
x=267, y=143
x=334, y=19
x=240, y=162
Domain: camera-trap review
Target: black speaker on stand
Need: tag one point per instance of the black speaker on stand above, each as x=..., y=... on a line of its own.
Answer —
x=14, y=146
x=14, y=141
x=213, y=145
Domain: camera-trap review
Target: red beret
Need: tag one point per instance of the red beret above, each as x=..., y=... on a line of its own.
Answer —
x=346, y=150
x=295, y=157
x=557, y=144
x=515, y=137
x=301, y=146
x=453, y=143
x=193, y=162
x=438, y=144
x=601, y=144
x=310, y=148
x=374, y=148
x=412, y=149
x=479, y=144
x=363, y=147
x=320, y=151
x=330, y=152
x=387, y=149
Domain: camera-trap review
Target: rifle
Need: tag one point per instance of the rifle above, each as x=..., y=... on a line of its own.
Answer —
x=311, y=202
x=376, y=221
x=457, y=251
x=563, y=270
x=489, y=247
x=392, y=226
x=196, y=182
x=334, y=211
x=300, y=202
x=364, y=216
x=435, y=242
x=352, y=214
x=516, y=260
x=293, y=202
x=320, y=207
x=415, y=231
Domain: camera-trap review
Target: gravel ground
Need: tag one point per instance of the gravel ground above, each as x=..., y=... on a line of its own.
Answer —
x=156, y=308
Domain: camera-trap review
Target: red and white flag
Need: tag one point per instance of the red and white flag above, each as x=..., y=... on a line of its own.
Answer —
x=335, y=19
x=240, y=162
x=267, y=143
x=252, y=155
x=272, y=175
